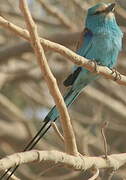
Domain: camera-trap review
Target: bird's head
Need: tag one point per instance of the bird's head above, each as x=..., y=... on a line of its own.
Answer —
x=100, y=14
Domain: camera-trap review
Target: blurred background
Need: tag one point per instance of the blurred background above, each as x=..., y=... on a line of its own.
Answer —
x=25, y=99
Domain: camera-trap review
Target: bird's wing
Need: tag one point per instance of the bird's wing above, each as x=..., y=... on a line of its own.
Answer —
x=83, y=46
x=80, y=41
x=85, y=42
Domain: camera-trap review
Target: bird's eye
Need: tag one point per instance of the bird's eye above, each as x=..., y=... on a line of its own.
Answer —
x=97, y=12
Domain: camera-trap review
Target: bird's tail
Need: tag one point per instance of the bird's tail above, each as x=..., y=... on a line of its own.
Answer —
x=68, y=98
x=51, y=117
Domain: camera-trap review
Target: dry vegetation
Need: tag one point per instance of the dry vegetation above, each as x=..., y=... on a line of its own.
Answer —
x=25, y=98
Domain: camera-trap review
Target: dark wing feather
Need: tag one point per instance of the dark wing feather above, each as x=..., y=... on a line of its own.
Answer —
x=72, y=77
x=80, y=41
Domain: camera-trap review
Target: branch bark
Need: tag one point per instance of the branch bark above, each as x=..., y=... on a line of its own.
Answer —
x=70, y=142
x=82, y=163
x=78, y=60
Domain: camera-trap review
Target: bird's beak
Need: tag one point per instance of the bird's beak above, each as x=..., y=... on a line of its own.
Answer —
x=110, y=8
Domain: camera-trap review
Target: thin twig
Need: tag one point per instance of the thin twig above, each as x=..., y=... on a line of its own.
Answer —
x=104, y=125
x=57, y=131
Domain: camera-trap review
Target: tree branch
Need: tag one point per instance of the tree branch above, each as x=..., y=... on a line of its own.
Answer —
x=76, y=162
x=57, y=131
x=78, y=60
x=70, y=142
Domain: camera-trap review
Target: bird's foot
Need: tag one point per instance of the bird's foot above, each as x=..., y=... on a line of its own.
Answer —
x=96, y=63
x=117, y=74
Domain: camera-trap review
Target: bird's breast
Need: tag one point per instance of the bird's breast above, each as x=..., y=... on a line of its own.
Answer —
x=105, y=49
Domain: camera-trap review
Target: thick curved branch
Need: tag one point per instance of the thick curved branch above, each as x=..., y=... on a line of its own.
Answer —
x=114, y=161
x=70, y=142
x=66, y=39
x=79, y=60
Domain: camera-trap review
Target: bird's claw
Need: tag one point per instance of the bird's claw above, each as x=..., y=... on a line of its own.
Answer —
x=96, y=63
x=117, y=74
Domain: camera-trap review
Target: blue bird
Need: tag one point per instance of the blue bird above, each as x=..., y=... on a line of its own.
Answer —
x=101, y=41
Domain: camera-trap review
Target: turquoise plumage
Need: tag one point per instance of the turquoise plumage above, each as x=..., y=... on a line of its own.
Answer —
x=100, y=41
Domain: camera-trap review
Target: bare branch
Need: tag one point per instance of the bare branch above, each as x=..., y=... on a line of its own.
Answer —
x=104, y=125
x=79, y=60
x=78, y=163
x=70, y=142
x=57, y=131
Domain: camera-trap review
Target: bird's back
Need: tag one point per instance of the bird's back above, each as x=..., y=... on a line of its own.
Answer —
x=102, y=46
